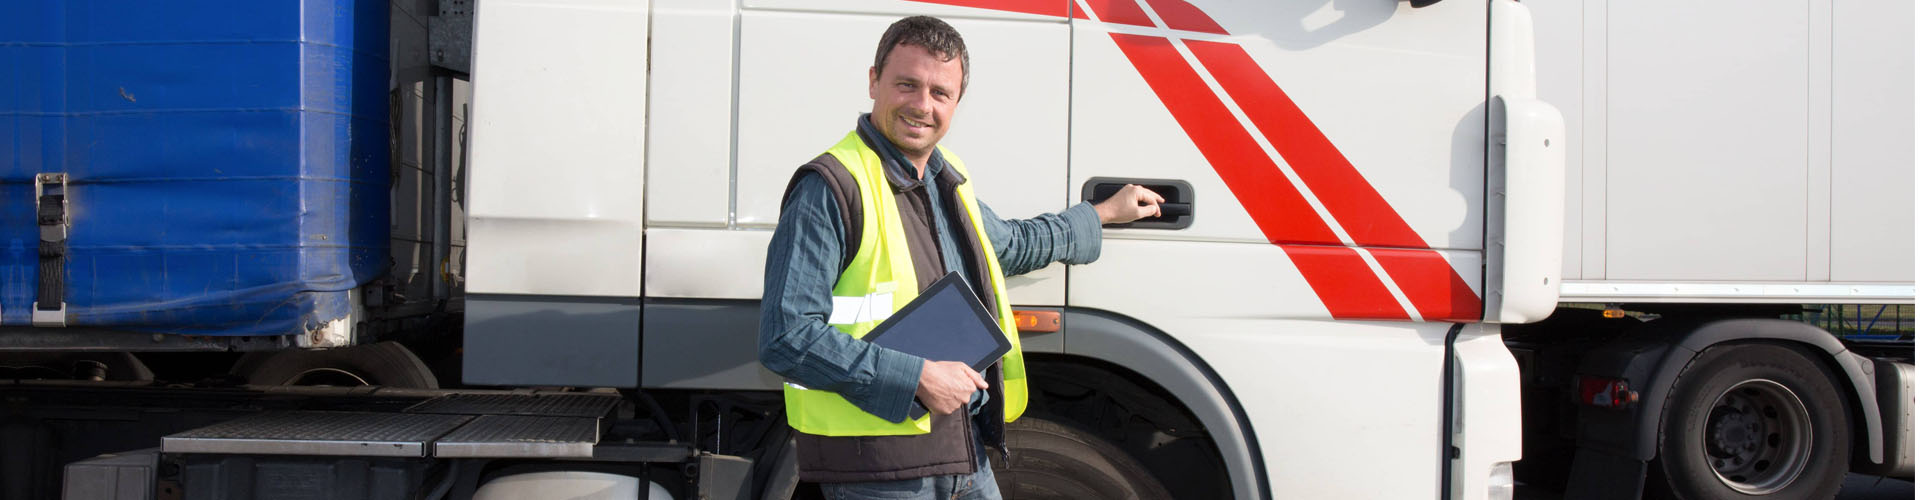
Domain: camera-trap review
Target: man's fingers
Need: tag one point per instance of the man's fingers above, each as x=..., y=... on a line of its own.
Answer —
x=1146, y=196
x=1143, y=196
x=1133, y=202
x=943, y=389
x=944, y=385
x=979, y=382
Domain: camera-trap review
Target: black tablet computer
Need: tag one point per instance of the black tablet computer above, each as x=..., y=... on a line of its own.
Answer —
x=946, y=322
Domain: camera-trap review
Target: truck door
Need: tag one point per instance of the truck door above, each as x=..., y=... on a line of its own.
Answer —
x=1327, y=159
x=802, y=81
x=1337, y=145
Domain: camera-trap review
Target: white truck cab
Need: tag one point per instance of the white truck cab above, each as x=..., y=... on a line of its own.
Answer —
x=1464, y=245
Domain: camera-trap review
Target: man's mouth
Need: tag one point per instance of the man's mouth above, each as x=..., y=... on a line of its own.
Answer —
x=914, y=124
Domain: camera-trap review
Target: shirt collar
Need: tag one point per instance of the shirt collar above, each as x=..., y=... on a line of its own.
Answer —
x=899, y=170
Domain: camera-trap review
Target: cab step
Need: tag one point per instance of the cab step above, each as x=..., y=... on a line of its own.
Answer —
x=550, y=405
x=513, y=436
x=326, y=433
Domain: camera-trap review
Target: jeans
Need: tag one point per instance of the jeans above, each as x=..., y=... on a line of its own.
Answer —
x=976, y=486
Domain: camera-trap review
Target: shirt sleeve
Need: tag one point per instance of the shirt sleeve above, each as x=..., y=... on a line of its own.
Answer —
x=1023, y=245
x=803, y=262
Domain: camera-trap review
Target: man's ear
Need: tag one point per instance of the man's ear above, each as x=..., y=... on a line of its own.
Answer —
x=873, y=82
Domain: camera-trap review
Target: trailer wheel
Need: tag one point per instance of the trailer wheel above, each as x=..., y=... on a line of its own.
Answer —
x=386, y=364
x=1753, y=421
x=1051, y=460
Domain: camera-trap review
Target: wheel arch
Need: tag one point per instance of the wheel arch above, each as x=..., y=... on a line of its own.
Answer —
x=1650, y=359
x=1157, y=358
x=1856, y=371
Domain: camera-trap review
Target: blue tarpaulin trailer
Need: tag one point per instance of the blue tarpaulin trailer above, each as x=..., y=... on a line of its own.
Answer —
x=226, y=163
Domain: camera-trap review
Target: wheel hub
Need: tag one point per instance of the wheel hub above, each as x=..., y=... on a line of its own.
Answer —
x=1735, y=433
x=1758, y=437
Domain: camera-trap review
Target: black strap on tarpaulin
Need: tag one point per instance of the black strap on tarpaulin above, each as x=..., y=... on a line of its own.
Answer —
x=53, y=248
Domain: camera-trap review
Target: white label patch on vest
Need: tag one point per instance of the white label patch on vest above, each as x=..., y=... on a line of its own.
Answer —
x=876, y=306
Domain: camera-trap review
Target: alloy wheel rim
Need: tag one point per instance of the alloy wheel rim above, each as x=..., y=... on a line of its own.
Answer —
x=1757, y=437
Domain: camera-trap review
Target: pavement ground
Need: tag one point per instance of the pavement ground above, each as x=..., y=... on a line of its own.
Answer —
x=1856, y=487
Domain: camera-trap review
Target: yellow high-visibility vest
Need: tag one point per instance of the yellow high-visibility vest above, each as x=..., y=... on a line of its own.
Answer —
x=880, y=280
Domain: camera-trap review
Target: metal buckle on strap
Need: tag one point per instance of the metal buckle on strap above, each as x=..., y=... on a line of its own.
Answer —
x=50, y=318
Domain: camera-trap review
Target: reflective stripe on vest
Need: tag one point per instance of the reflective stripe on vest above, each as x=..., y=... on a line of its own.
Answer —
x=879, y=281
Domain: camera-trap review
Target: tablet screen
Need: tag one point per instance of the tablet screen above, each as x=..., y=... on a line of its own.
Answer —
x=946, y=323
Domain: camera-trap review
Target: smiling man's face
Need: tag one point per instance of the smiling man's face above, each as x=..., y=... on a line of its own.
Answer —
x=914, y=99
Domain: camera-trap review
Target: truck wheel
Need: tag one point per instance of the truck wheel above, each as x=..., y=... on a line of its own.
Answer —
x=1051, y=460
x=386, y=364
x=1753, y=422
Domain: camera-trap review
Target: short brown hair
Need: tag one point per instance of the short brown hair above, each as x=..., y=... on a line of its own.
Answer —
x=925, y=32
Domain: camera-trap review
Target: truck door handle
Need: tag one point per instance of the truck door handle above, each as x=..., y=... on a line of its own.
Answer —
x=1171, y=209
x=1175, y=213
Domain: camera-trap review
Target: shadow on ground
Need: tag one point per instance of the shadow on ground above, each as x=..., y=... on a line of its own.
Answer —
x=1856, y=487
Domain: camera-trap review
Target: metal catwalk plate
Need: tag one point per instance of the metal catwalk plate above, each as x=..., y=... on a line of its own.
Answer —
x=318, y=433
x=500, y=436
x=546, y=405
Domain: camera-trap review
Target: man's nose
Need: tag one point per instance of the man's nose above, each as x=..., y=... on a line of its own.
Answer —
x=921, y=101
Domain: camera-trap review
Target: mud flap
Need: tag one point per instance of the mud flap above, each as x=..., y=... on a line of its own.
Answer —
x=1599, y=475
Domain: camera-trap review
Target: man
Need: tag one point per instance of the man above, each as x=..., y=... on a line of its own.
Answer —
x=865, y=227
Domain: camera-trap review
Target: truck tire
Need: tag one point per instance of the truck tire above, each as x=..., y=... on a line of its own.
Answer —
x=1055, y=461
x=386, y=364
x=1753, y=421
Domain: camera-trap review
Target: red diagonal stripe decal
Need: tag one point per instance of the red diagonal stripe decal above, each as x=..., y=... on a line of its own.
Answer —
x=1181, y=15
x=1337, y=274
x=1367, y=217
x=1277, y=208
x=1344, y=283
x=1430, y=283
x=1423, y=275
x=1120, y=12
x=1056, y=8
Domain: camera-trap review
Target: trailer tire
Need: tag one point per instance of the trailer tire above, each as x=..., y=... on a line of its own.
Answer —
x=1752, y=421
x=386, y=364
x=1052, y=460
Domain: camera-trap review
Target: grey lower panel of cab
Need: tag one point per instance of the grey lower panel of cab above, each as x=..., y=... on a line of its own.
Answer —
x=532, y=340
x=704, y=344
